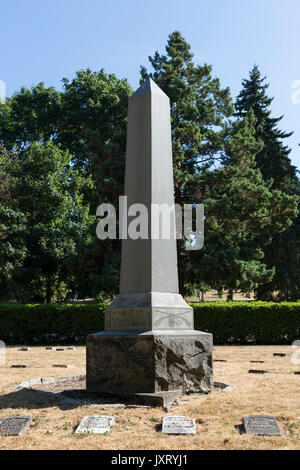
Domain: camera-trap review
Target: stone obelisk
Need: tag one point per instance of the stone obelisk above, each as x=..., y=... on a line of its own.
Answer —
x=149, y=344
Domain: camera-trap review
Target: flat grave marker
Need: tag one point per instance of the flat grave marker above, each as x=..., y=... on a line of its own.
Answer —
x=279, y=355
x=261, y=425
x=178, y=425
x=20, y=366
x=24, y=349
x=2, y=353
x=258, y=371
x=95, y=425
x=14, y=426
x=62, y=366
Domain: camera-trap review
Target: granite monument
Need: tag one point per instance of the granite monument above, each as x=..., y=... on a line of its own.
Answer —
x=149, y=344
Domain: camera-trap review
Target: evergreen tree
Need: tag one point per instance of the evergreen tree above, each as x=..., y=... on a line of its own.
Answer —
x=273, y=159
x=274, y=162
x=242, y=216
x=200, y=109
x=239, y=205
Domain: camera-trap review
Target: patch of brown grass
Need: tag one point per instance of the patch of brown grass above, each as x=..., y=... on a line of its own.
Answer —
x=216, y=415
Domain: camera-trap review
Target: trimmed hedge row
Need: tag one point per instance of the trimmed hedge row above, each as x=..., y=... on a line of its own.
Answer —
x=49, y=324
x=249, y=322
x=231, y=323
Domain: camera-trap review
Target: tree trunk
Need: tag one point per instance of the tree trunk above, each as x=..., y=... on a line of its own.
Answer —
x=49, y=290
x=181, y=283
x=230, y=295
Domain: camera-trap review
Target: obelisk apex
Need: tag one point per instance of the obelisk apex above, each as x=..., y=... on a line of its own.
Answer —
x=149, y=265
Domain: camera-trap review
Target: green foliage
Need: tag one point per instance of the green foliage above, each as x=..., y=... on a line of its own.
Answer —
x=273, y=158
x=12, y=250
x=65, y=155
x=200, y=109
x=242, y=216
x=244, y=323
x=242, y=212
x=49, y=324
x=93, y=128
x=230, y=322
x=12, y=229
x=45, y=223
x=29, y=116
x=283, y=253
x=88, y=121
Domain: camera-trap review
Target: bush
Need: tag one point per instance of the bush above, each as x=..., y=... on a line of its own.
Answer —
x=249, y=322
x=230, y=322
x=49, y=324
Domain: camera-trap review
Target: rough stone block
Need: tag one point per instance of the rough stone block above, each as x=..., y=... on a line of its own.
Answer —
x=149, y=362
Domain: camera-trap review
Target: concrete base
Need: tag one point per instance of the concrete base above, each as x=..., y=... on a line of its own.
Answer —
x=163, y=399
x=150, y=362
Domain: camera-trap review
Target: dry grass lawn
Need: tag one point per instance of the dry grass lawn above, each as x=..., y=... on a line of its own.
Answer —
x=277, y=394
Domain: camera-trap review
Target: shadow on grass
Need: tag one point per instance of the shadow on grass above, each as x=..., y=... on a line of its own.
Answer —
x=158, y=427
x=31, y=399
x=240, y=428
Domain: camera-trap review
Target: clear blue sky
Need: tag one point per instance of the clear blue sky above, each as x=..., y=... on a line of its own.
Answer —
x=43, y=40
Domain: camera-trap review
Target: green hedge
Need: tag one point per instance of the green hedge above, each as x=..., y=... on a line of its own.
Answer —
x=230, y=323
x=249, y=322
x=49, y=324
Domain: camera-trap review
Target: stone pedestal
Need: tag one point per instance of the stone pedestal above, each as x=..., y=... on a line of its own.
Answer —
x=151, y=362
x=149, y=345
x=149, y=311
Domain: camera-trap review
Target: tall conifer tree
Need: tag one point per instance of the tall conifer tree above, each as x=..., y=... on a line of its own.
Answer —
x=274, y=162
x=242, y=214
x=200, y=108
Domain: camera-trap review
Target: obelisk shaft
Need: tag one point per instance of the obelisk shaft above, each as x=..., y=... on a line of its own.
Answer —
x=149, y=265
x=149, y=298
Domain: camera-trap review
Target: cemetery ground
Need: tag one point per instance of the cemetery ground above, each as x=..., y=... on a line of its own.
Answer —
x=276, y=393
